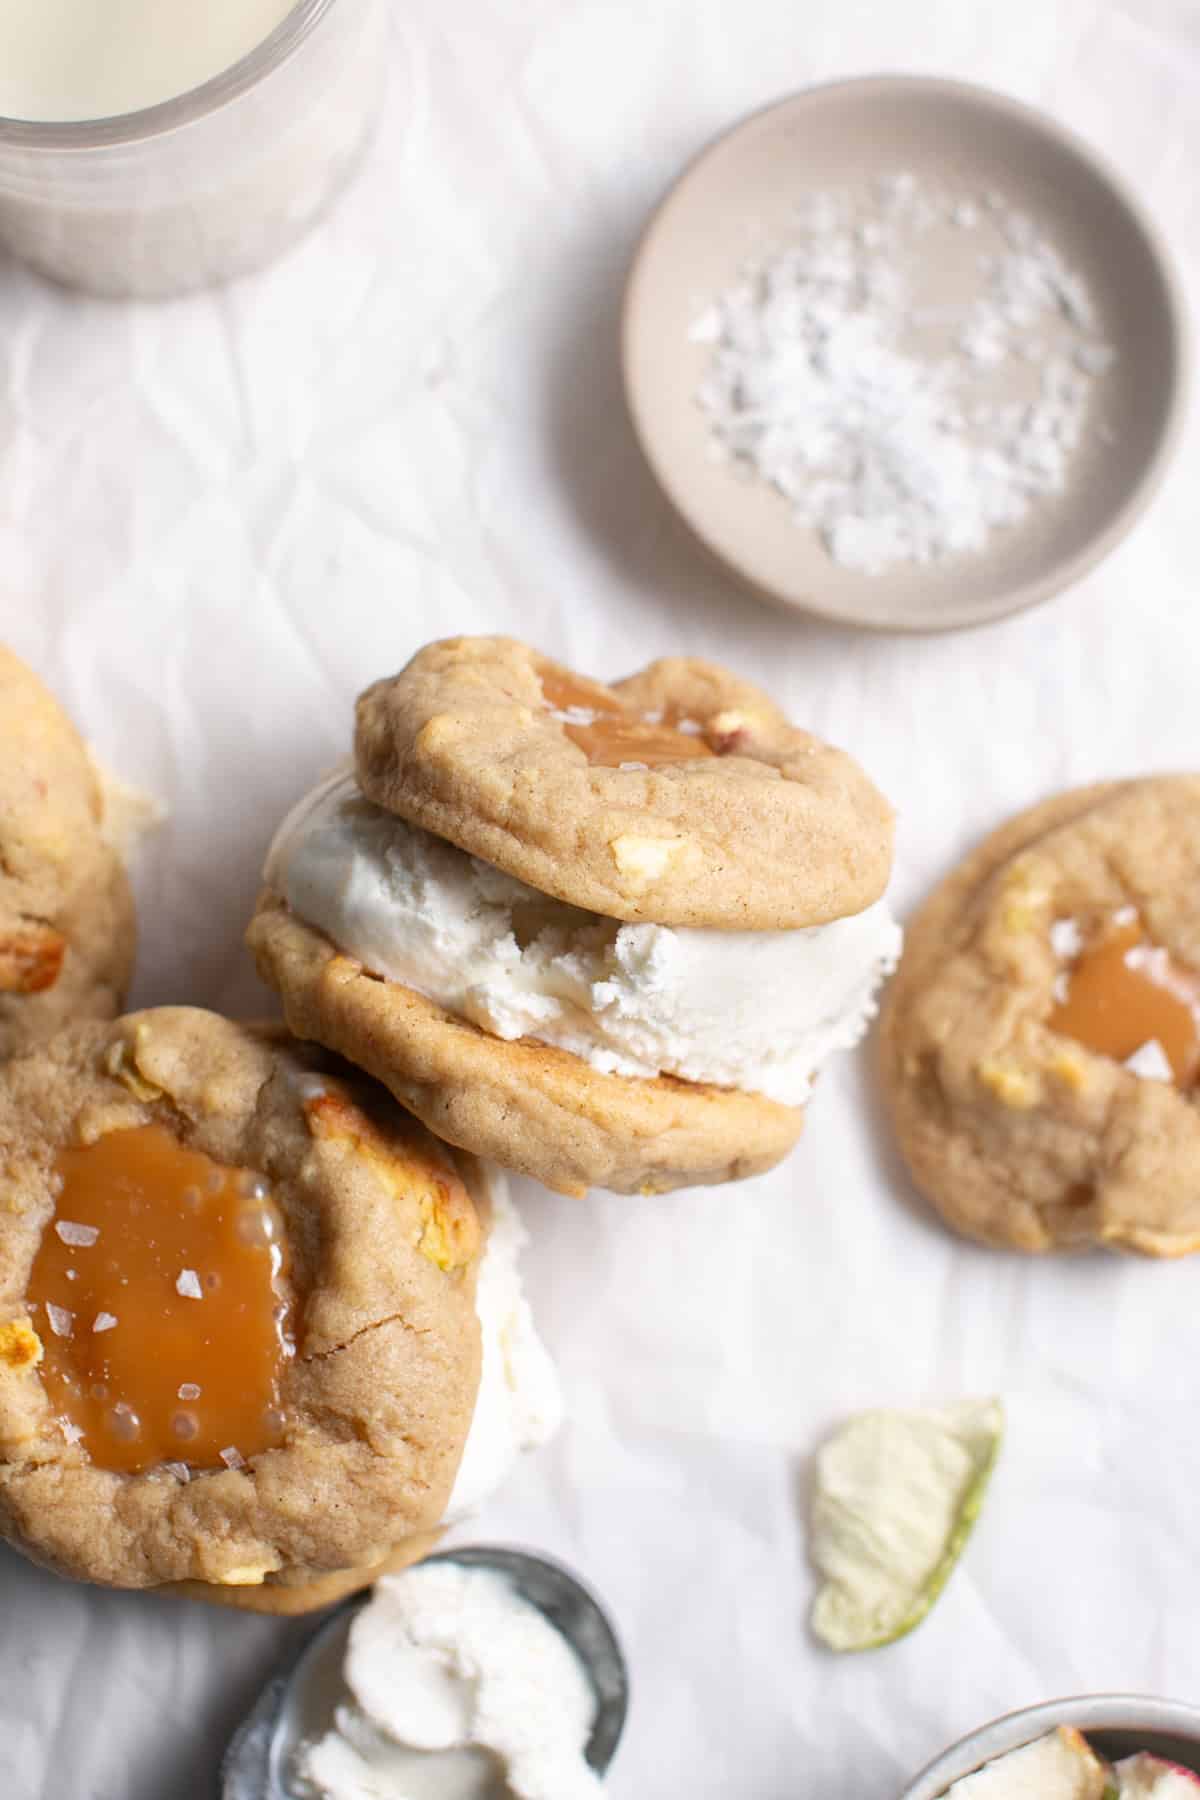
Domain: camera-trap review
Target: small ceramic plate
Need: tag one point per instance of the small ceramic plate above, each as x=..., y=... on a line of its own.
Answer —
x=741, y=200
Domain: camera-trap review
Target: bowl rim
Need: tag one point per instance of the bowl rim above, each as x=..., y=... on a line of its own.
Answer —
x=1132, y=1713
x=1065, y=571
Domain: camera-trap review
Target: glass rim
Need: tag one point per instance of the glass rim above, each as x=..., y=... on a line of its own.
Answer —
x=179, y=110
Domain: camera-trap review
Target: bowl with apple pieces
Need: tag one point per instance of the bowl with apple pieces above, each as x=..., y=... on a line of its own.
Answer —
x=1099, y=1747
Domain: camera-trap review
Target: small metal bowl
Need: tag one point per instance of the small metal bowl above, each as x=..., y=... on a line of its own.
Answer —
x=1117, y=1724
x=298, y=1702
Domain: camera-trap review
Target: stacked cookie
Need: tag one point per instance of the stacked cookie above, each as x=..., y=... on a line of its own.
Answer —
x=261, y=1331
x=604, y=935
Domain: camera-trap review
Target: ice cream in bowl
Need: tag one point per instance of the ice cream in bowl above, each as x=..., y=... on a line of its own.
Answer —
x=1093, y=1747
x=483, y=1674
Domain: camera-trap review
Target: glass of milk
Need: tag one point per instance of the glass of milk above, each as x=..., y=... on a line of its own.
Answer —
x=152, y=146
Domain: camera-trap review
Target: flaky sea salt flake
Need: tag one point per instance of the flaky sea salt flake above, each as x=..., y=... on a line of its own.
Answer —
x=232, y=1457
x=1149, y=1062
x=62, y=1322
x=188, y=1285
x=1066, y=939
x=104, y=1321
x=79, y=1237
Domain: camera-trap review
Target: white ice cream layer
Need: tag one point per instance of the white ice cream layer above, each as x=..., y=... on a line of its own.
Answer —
x=519, y=1404
x=757, y=1010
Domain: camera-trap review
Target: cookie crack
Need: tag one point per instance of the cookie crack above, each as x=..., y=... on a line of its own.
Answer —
x=32, y=918
x=363, y=1331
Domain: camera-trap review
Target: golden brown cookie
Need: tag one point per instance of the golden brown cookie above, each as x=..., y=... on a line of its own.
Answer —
x=1063, y=949
x=66, y=912
x=682, y=795
x=526, y=1105
x=238, y=1341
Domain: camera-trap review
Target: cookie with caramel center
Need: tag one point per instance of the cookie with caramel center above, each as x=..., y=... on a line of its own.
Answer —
x=681, y=796
x=238, y=1341
x=1041, y=1038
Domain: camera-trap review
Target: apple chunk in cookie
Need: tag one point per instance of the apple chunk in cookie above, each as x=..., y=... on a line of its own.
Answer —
x=616, y=1024
x=256, y=1339
x=1041, y=1038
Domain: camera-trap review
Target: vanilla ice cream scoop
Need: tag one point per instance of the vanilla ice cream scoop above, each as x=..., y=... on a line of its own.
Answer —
x=753, y=1010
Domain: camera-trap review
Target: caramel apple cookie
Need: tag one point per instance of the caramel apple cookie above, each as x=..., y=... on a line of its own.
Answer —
x=239, y=1346
x=681, y=795
x=1041, y=1039
x=66, y=912
x=623, y=1048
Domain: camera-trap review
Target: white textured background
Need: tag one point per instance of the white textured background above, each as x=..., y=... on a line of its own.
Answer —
x=220, y=518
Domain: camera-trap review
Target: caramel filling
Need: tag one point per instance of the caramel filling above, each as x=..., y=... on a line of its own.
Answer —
x=1123, y=992
x=609, y=735
x=158, y=1294
x=31, y=959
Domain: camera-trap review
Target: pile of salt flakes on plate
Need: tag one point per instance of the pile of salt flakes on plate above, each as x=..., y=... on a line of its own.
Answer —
x=889, y=422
